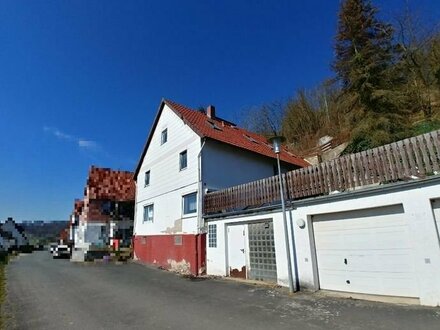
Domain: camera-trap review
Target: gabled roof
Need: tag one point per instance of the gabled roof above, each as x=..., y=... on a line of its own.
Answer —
x=104, y=183
x=223, y=131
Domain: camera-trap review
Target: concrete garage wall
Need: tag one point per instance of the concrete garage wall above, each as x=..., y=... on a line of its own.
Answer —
x=417, y=198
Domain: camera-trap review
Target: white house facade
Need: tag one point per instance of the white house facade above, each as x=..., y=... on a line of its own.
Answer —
x=187, y=153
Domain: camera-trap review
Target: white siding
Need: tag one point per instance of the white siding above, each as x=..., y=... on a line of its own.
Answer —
x=167, y=183
x=225, y=166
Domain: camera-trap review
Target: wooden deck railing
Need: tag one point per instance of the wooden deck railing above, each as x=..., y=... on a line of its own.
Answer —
x=412, y=158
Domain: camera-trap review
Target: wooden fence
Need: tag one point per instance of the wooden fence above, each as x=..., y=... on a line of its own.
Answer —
x=412, y=158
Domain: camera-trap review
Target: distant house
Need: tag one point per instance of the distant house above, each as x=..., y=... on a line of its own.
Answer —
x=7, y=241
x=106, y=213
x=74, y=220
x=188, y=153
x=13, y=235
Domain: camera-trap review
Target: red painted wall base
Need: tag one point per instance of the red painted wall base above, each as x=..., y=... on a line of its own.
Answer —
x=175, y=252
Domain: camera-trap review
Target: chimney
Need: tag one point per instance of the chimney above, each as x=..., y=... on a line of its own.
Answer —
x=210, y=111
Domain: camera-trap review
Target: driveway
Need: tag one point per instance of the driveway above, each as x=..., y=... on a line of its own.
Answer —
x=56, y=294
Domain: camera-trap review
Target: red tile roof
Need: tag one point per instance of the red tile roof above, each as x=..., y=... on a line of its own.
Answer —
x=223, y=131
x=226, y=132
x=104, y=183
x=78, y=206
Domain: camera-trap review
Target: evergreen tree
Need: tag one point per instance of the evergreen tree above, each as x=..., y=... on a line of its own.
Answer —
x=364, y=67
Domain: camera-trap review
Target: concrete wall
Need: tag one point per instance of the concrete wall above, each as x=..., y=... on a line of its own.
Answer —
x=418, y=203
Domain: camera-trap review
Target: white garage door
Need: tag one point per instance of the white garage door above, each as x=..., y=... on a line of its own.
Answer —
x=365, y=251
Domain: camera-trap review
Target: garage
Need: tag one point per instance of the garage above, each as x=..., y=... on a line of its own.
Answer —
x=365, y=251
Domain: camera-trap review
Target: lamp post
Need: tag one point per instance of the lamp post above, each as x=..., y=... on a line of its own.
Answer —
x=276, y=143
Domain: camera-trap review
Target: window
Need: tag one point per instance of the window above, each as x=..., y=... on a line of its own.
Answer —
x=147, y=178
x=148, y=212
x=190, y=203
x=164, y=136
x=212, y=236
x=183, y=160
x=178, y=240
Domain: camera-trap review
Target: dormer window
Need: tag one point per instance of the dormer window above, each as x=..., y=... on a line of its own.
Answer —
x=214, y=125
x=164, y=136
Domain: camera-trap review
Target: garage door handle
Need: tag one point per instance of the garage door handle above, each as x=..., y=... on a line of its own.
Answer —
x=345, y=260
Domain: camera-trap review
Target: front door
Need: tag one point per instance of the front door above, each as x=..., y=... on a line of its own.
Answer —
x=236, y=251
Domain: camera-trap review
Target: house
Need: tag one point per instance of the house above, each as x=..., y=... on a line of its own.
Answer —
x=13, y=236
x=188, y=153
x=105, y=214
x=366, y=223
x=7, y=241
x=74, y=220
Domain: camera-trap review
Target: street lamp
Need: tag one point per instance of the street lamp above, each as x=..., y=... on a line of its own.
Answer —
x=276, y=143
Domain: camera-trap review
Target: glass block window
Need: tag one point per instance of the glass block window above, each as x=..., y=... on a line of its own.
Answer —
x=212, y=236
x=148, y=212
x=183, y=162
x=147, y=178
x=164, y=136
x=190, y=203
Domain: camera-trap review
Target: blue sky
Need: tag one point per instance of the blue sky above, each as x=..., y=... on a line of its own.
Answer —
x=80, y=81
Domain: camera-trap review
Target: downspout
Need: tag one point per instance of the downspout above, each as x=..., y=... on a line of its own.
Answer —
x=200, y=213
x=201, y=192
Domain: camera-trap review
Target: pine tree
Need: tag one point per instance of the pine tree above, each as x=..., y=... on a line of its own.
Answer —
x=364, y=67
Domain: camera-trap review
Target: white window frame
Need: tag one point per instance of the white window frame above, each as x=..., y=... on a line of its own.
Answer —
x=147, y=174
x=183, y=204
x=147, y=219
x=180, y=160
x=163, y=134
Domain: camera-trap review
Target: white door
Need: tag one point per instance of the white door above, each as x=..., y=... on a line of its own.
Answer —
x=236, y=251
x=436, y=210
x=365, y=251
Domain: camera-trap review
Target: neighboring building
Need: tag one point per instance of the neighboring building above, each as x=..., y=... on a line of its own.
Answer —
x=74, y=220
x=188, y=153
x=13, y=235
x=106, y=213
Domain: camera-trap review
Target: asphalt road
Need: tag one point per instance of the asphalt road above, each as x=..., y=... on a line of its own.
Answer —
x=57, y=294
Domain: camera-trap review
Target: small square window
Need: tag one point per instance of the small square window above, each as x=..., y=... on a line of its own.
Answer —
x=164, y=136
x=212, y=236
x=178, y=240
x=183, y=162
x=148, y=212
x=190, y=203
x=147, y=178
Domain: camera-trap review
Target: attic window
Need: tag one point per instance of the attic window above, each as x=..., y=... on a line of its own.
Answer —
x=214, y=125
x=250, y=138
